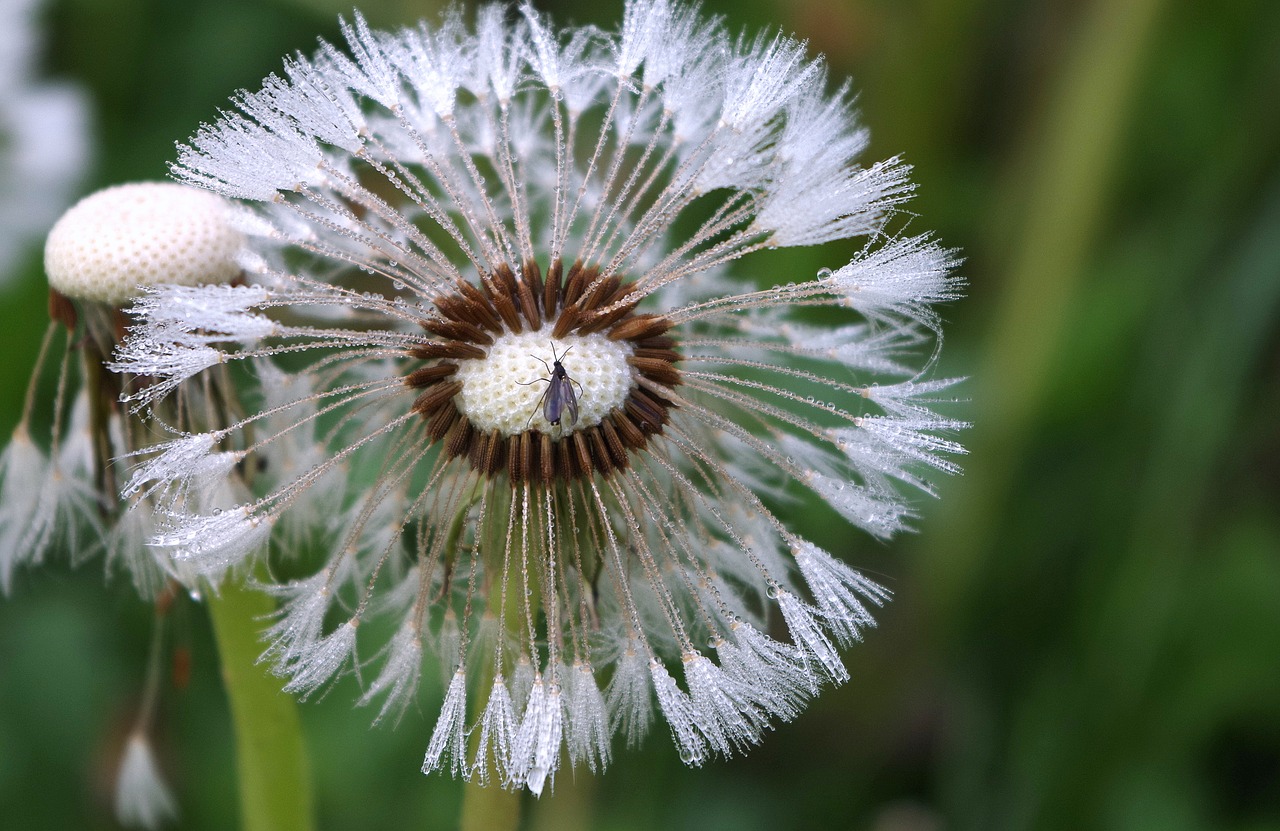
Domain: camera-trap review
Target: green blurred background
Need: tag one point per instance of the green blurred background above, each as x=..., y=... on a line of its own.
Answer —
x=1086, y=633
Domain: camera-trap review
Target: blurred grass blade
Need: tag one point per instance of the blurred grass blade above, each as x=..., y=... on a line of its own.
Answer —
x=1071, y=183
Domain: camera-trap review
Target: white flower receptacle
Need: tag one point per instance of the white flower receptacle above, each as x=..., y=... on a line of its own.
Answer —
x=114, y=243
x=503, y=390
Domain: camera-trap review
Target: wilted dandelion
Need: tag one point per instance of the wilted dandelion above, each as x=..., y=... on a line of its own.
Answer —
x=513, y=375
x=99, y=256
x=63, y=493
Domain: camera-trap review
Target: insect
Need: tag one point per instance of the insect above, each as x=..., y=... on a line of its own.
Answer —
x=559, y=396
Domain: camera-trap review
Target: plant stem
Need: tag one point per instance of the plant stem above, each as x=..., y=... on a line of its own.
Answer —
x=271, y=761
x=491, y=808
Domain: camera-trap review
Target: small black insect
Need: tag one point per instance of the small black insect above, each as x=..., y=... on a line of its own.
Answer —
x=559, y=396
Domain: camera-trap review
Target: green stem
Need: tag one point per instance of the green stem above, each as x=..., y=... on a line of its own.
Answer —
x=491, y=808
x=271, y=761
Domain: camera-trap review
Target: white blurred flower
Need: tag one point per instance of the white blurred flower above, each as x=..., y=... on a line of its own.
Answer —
x=549, y=397
x=143, y=799
x=44, y=137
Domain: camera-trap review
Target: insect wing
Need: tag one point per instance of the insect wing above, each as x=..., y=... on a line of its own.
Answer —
x=570, y=399
x=553, y=401
x=560, y=397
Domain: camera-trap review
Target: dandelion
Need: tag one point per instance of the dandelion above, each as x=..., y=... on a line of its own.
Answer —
x=66, y=493
x=100, y=256
x=515, y=377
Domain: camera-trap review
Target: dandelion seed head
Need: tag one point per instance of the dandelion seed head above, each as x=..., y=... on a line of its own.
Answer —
x=442, y=215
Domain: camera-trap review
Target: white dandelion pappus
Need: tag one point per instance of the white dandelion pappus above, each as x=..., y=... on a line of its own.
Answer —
x=446, y=211
x=142, y=799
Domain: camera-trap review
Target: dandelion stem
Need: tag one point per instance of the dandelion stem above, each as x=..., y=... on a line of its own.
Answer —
x=155, y=668
x=489, y=808
x=271, y=762
x=29, y=400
